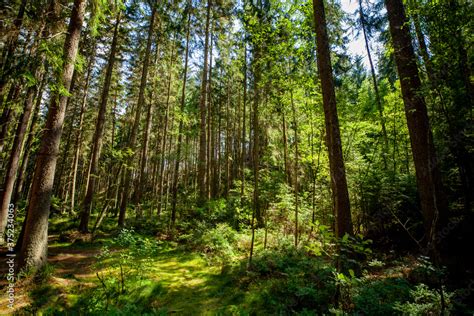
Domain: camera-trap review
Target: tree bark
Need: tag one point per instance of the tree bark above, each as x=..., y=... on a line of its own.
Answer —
x=256, y=213
x=99, y=131
x=297, y=157
x=31, y=135
x=202, y=161
x=180, y=128
x=144, y=161
x=17, y=149
x=12, y=43
x=78, y=142
x=333, y=138
x=227, y=143
x=57, y=187
x=34, y=245
x=165, y=134
x=243, y=153
x=285, y=148
x=210, y=127
x=456, y=132
x=433, y=203
x=136, y=122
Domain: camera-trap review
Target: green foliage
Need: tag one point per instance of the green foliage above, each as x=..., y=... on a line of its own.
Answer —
x=380, y=297
x=353, y=252
x=219, y=243
x=290, y=281
x=270, y=44
x=101, y=11
x=53, y=50
x=387, y=202
x=324, y=241
x=350, y=251
x=427, y=273
x=121, y=271
x=30, y=79
x=45, y=273
x=425, y=301
x=215, y=211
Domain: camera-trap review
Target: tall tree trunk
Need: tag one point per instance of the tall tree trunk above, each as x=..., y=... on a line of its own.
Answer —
x=209, y=181
x=285, y=148
x=376, y=86
x=297, y=157
x=144, y=161
x=256, y=213
x=333, y=138
x=136, y=122
x=17, y=148
x=58, y=187
x=456, y=134
x=165, y=133
x=213, y=141
x=428, y=178
x=31, y=135
x=227, y=143
x=99, y=131
x=78, y=141
x=180, y=128
x=202, y=161
x=243, y=157
x=169, y=170
x=12, y=42
x=144, y=164
x=218, y=172
x=34, y=244
x=7, y=113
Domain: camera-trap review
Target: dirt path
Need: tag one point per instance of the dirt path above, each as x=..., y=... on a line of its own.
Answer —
x=71, y=265
x=176, y=282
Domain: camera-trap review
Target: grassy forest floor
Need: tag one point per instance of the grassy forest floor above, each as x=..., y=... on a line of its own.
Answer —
x=175, y=282
x=126, y=273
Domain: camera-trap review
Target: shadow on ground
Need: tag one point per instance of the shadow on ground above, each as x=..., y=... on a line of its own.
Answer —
x=175, y=282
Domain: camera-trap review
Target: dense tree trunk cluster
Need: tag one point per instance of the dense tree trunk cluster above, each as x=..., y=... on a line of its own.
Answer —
x=190, y=112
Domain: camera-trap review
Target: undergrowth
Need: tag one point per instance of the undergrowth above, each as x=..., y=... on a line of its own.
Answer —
x=208, y=272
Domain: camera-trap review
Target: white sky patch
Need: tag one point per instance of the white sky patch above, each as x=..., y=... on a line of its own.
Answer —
x=356, y=45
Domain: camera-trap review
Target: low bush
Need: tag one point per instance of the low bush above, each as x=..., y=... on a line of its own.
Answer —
x=218, y=245
x=289, y=281
x=121, y=271
x=425, y=301
x=380, y=297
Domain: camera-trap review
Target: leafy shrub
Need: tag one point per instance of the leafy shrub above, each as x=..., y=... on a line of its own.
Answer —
x=194, y=231
x=122, y=271
x=214, y=211
x=381, y=296
x=389, y=199
x=426, y=301
x=291, y=281
x=218, y=244
x=426, y=272
x=351, y=251
x=148, y=228
x=298, y=292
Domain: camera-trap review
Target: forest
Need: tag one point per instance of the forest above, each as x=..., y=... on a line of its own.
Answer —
x=236, y=157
